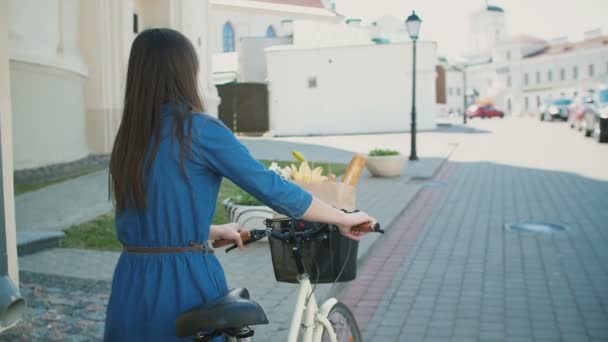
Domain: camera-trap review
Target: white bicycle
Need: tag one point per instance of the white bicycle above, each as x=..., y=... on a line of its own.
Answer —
x=232, y=315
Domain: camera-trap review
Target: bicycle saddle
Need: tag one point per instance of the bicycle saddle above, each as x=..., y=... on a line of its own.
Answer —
x=234, y=310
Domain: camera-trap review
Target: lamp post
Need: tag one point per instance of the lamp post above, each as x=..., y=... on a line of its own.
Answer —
x=413, y=27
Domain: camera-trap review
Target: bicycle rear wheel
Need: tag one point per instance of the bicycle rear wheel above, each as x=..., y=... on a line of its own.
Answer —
x=344, y=324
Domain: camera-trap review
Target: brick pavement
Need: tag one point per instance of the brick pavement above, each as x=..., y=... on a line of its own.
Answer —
x=458, y=275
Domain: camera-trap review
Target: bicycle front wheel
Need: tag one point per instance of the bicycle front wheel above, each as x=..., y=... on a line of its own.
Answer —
x=344, y=324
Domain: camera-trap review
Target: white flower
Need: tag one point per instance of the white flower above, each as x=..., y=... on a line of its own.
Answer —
x=286, y=173
x=283, y=172
x=274, y=167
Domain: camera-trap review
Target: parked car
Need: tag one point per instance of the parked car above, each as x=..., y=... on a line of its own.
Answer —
x=483, y=112
x=596, y=116
x=576, y=112
x=556, y=109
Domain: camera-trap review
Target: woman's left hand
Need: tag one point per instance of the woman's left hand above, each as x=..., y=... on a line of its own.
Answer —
x=229, y=231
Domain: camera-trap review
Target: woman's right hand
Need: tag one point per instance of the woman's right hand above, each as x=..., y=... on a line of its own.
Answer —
x=228, y=232
x=351, y=220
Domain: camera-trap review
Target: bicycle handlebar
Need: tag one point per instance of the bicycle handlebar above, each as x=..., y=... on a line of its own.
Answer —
x=251, y=236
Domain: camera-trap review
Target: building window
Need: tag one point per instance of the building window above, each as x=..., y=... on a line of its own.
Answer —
x=591, y=70
x=270, y=32
x=562, y=74
x=508, y=55
x=449, y=91
x=526, y=103
x=509, y=105
x=538, y=77
x=549, y=75
x=575, y=73
x=537, y=100
x=135, y=23
x=457, y=91
x=228, y=37
x=526, y=79
x=509, y=81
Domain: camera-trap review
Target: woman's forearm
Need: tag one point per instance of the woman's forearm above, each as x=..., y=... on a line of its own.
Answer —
x=320, y=211
x=214, y=232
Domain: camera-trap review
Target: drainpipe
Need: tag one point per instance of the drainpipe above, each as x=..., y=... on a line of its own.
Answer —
x=12, y=305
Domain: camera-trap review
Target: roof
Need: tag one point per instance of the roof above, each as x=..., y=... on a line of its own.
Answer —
x=304, y=3
x=569, y=47
x=523, y=39
x=492, y=8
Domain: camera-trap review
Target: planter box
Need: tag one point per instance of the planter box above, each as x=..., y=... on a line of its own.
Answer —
x=248, y=216
x=386, y=166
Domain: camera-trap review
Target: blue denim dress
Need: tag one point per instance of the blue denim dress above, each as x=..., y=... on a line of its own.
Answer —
x=149, y=291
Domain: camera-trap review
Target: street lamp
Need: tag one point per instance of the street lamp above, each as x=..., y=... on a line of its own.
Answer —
x=464, y=93
x=413, y=27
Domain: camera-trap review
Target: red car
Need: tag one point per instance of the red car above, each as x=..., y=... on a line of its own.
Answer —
x=476, y=111
x=576, y=113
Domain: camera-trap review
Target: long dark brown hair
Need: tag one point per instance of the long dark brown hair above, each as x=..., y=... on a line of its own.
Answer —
x=163, y=70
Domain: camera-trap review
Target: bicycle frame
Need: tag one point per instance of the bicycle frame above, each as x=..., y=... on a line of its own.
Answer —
x=308, y=316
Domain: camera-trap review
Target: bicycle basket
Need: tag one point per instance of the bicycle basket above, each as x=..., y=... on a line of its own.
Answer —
x=323, y=259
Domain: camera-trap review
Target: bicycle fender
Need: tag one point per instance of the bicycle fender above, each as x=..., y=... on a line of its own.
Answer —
x=326, y=307
x=322, y=314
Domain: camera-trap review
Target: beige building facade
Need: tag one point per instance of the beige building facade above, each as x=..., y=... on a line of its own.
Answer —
x=67, y=66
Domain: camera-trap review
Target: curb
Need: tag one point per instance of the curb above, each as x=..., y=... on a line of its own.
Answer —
x=29, y=242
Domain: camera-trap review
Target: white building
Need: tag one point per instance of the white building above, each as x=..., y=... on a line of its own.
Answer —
x=345, y=83
x=531, y=71
x=232, y=20
x=519, y=73
x=235, y=23
x=363, y=88
x=449, y=88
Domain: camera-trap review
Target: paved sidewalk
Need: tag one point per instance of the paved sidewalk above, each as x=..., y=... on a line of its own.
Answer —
x=385, y=198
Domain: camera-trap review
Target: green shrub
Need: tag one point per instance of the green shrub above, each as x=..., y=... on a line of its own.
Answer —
x=378, y=152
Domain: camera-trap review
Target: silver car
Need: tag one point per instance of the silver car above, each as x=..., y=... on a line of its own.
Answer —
x=556, y=109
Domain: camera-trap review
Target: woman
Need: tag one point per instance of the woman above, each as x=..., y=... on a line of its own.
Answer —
x=166, y=167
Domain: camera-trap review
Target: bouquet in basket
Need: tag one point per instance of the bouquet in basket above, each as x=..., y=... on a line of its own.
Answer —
x=333, y=259
x=341, y=193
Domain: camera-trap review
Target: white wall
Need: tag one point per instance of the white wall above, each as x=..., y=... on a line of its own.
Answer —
x=360, y=89
x=48, y=120
x=252, y=59
x=47, y=80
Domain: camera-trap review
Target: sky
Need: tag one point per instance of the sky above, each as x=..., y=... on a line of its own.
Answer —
x=447, y=21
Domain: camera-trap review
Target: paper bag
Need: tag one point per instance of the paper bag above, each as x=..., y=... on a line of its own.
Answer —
x=337, y=194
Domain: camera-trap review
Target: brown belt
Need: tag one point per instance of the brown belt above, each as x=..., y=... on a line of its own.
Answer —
x=194, y=247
